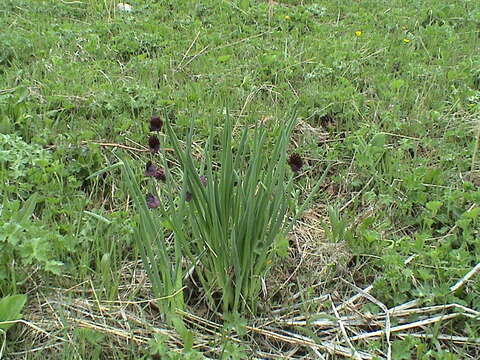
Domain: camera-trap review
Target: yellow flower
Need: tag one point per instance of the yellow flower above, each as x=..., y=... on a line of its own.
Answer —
x=358, y=33
x=287, y=17
x=406, y=41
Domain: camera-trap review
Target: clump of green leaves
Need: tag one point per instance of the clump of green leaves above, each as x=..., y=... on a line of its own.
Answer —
x=237, y=213
x=25, y=242
x=228, y=213
x=22, y=165
x=27, y=185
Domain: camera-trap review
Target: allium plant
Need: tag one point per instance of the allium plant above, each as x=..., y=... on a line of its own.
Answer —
x=162, y=263
x=235, y=212
x=228, y=212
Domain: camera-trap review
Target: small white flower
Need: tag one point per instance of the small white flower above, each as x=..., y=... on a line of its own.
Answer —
x=124, y=7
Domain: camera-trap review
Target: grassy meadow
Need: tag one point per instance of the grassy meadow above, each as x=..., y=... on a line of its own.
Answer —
x=336, y=209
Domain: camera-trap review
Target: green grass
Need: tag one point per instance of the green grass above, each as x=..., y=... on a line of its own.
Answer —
x=394, y=112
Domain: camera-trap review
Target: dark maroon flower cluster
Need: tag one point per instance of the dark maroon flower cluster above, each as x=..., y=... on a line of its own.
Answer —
x=156, y=123
x=152, y=201
x=296, y=162
x=151, y=170
x=154, y=144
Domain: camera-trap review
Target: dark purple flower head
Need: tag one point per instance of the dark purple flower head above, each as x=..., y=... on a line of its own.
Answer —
x=188, y=196
x=152, y=201
x=295, y=161
x=156, y=123
x=160, y=175
x=154, y=144
x=153, y=171
x=150, y=169
x=203, y=180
